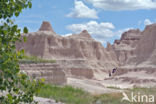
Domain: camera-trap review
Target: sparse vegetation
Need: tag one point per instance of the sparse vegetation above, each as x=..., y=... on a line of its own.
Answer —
x=66, y=94
x=147, y=91
x=70, y=95
x=113, y=87
x=34, y=59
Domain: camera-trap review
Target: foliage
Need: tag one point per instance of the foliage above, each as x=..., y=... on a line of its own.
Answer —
x=9, y=8
x=70, y=95
x=15, y=86
x=65, y=94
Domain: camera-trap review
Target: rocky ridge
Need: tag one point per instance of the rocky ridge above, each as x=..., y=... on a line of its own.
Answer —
x=145, y=53
x=137, y=48
x=82, y=61
x=126, y=45
x=78, y=54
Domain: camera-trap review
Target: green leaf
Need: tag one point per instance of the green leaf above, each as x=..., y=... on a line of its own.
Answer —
x=16, y=14
x=25, y=30
x=9, y=96
x=8, y=20
x=10, y=80
x=22, y=51
x=30, y=4
x=25, y=38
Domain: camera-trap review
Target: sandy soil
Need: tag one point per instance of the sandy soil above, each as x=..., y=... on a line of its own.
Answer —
x=116, y=83
x=46, y=101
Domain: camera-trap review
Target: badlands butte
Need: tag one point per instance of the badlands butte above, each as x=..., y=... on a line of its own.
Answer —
x=84, y=62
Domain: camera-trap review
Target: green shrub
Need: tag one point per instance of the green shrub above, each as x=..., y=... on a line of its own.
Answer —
x=17, y=87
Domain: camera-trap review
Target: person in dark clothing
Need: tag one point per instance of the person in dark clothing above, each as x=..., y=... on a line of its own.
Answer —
x=114, y=70
x=110, y=74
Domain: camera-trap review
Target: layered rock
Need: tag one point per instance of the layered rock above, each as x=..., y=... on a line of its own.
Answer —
x=80, y=58
x=145, y=53
x=92, y=59
x=126, y=45
x=51, y=72
x=137, y=48
x=49, y=45
x=83, y=35
x=46, y=26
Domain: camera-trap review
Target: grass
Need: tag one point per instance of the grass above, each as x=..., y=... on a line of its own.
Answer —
x=34, y=59
x=66, y=94
x=70, y=95
x=113, y=87
x=109, y=98
x=145, y=90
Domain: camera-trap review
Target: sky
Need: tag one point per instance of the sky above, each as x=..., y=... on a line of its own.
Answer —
x=105, y=20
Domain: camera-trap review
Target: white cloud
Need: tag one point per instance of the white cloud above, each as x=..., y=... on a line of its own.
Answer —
x=99, y=31
x=102, y=32
x=147, y=22
x=69, y=34
x=119, y=5
x=82, y=11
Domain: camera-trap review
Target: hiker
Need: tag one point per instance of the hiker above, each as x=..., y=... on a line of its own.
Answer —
x=110, y=74
x=114, y=70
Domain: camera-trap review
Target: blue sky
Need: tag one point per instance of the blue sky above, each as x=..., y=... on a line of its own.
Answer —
x=104, y=19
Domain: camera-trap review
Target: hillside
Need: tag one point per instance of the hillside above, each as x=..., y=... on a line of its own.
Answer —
x=84, y=62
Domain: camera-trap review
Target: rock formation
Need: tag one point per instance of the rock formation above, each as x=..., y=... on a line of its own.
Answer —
x=51, y=72
x=46, y=26
x=48, y=45
x=145, y=53
x=137, y=48
x=126, y=45
x=79, y=56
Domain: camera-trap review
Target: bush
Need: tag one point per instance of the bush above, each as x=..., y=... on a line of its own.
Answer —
x=15, y=87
